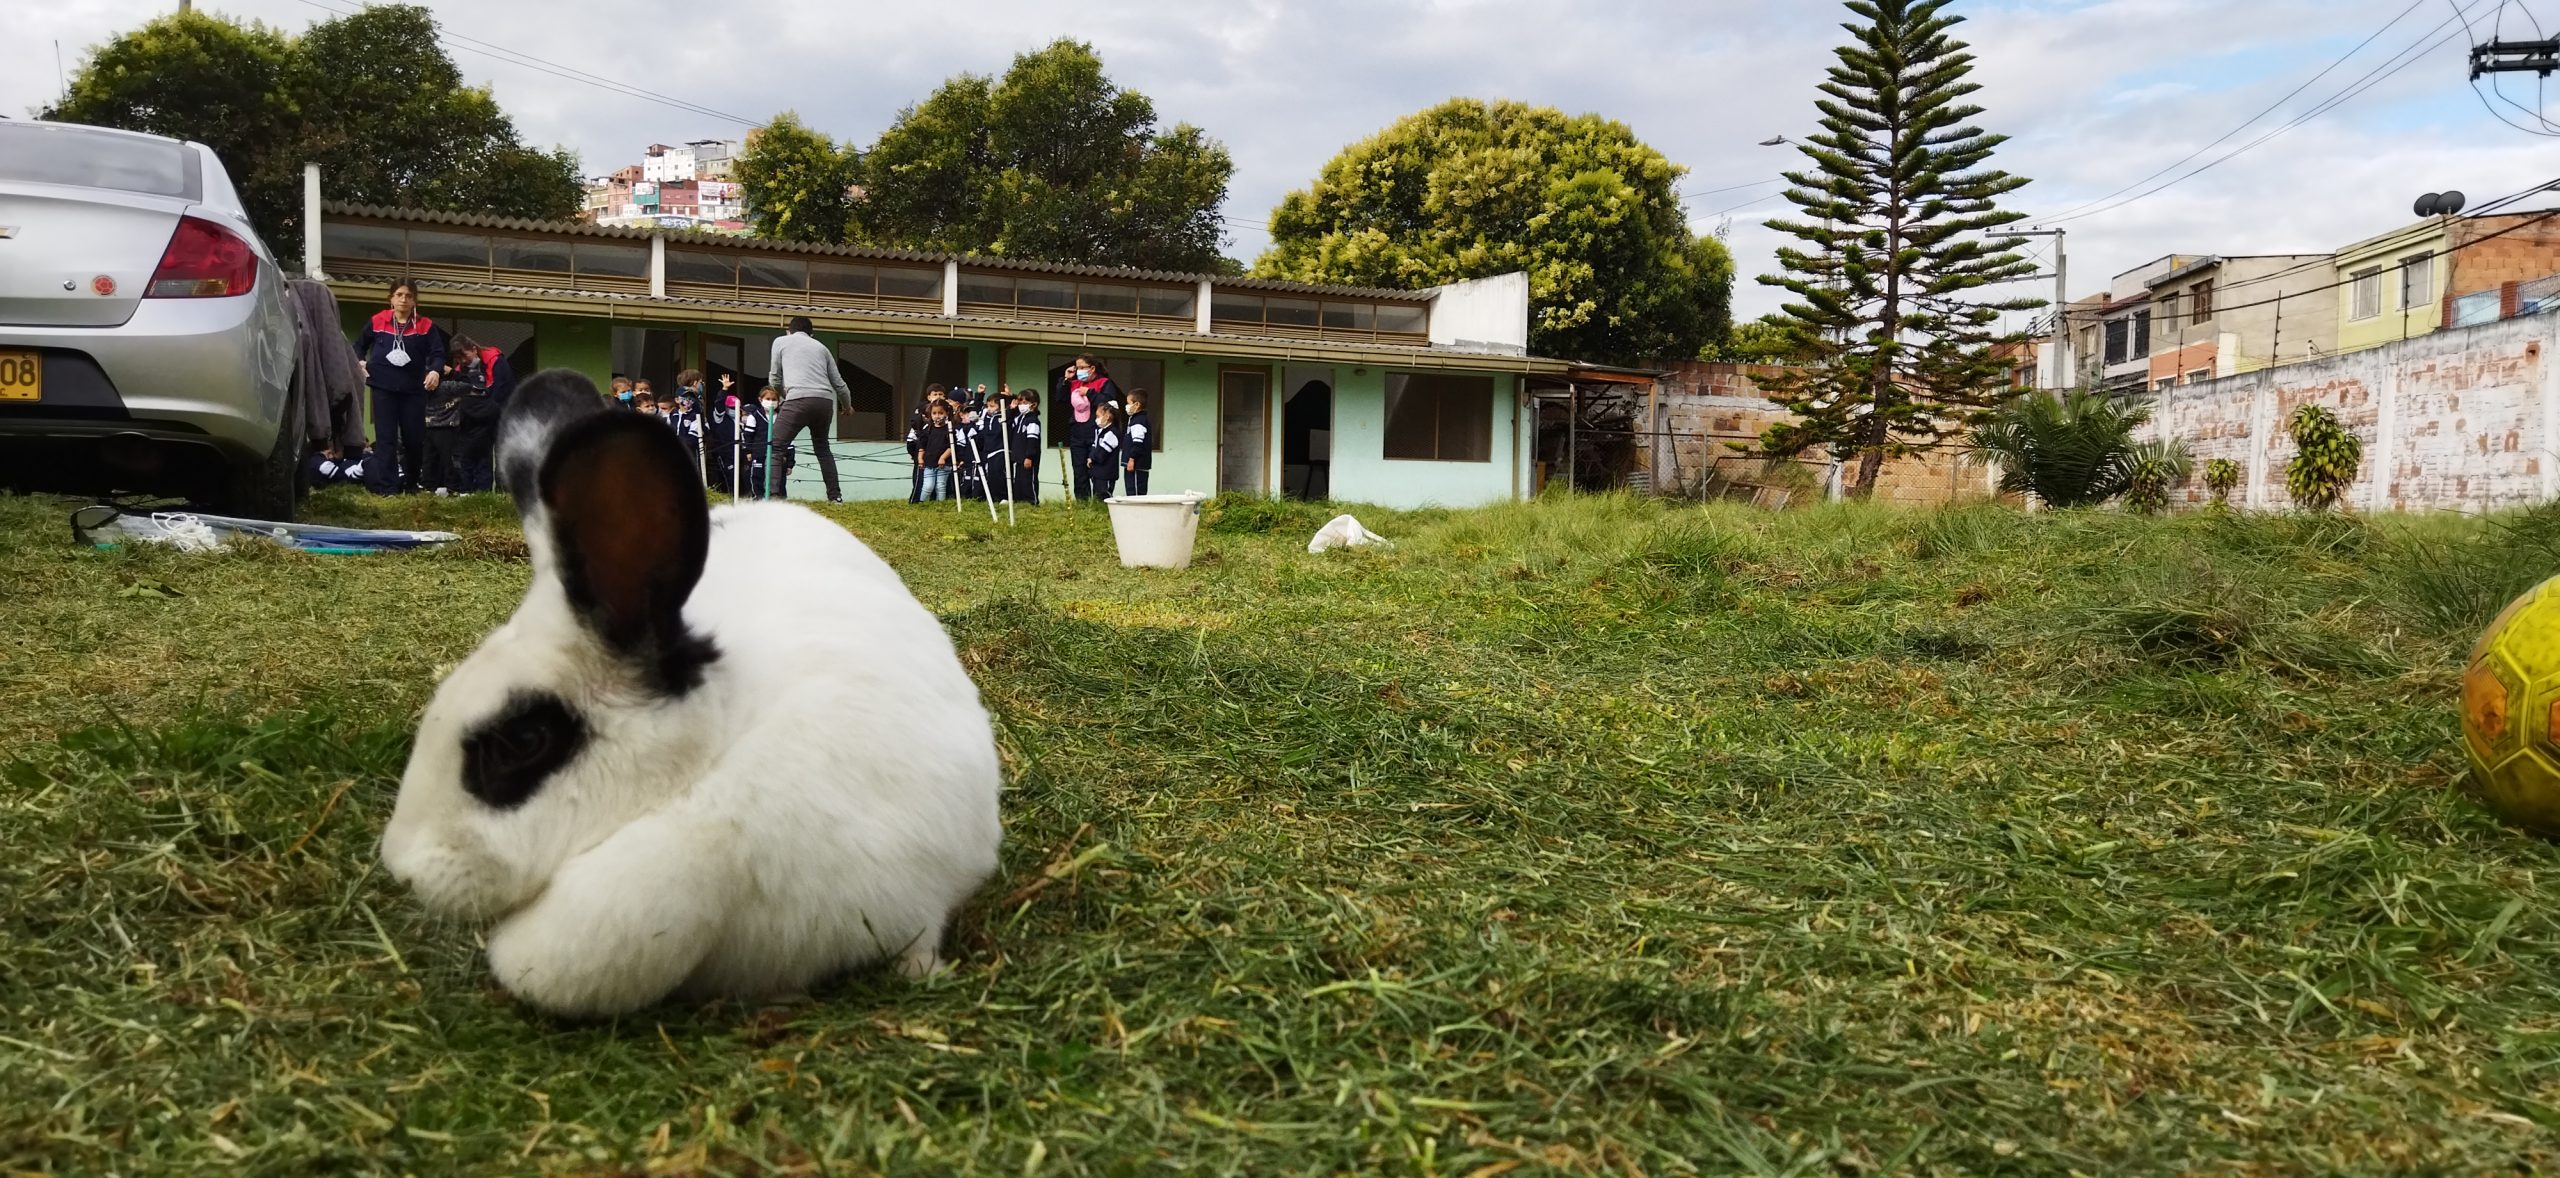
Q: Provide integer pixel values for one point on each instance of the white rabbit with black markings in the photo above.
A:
(712, 753)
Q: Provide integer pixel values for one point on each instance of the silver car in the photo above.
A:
(146, 341)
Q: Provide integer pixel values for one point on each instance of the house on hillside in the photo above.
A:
(1397, 397)
(2219, 315)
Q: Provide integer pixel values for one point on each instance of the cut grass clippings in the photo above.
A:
(1593, 835)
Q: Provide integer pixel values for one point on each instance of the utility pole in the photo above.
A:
(2516, 57)
(2061, 305)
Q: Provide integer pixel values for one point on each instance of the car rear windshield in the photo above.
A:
(57, 155)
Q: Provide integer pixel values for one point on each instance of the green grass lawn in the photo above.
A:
(1598, 836)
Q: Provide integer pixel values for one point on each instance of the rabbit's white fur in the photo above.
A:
(824, 799)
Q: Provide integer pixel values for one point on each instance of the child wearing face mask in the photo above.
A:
(1102, 469)
(1138, 458)
(1025, 428)
(755, 436)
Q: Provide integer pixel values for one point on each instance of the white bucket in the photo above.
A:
(1156, 531)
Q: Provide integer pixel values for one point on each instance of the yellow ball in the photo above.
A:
(2511, 711)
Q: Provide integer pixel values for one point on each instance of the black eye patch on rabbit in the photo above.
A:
(508, 756)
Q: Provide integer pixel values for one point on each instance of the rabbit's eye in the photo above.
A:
(507, 758)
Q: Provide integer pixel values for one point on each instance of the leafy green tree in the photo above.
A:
(2324, 461)
(1470, 189)
(798, 183)
(233, 87)
(1895, 343)
(401, 128)
(370, 97)
(2077, 450)
(1760, 341)
(1050, 161)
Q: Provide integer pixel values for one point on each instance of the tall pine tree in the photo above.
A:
(1892, 339)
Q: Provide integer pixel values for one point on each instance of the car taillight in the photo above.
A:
(203, 261)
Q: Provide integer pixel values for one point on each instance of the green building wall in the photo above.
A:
(1185, 413)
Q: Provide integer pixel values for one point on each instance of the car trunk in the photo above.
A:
(57, 243)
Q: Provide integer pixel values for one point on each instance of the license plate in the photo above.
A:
(21, 376)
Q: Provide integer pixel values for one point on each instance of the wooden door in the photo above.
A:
(1244, 431)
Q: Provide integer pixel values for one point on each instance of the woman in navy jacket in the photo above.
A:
(402, 356)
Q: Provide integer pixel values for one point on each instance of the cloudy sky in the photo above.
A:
(2096, 95)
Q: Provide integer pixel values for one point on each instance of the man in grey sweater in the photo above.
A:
(804, 371)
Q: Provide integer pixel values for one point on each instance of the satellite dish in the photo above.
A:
(2426, 206)
(2449, 203)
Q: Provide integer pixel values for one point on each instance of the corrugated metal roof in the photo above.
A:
(1254, 343)
(874, 253)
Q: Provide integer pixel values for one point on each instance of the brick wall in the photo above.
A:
(2522, 255)
(1705, 408)
(2462, 418)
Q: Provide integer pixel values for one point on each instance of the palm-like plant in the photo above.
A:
(2078, 450)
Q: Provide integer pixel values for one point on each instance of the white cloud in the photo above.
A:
(2094, 94)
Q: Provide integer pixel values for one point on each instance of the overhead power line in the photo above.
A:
(2244, 124)
(2374, 77)
(565, 72)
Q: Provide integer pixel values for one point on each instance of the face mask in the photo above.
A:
(397, 357)
(625, 398)
(768, 406)
(1084, 374)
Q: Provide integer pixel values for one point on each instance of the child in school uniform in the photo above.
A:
(966, 470)
(1025, 427)
(755, 436)
(1139, 457)
(915, 427)
(933, 452)
(1102, 464)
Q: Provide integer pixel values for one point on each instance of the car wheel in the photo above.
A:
(266, 489)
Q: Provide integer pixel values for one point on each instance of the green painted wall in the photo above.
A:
(1363, 474)
(1186, 414)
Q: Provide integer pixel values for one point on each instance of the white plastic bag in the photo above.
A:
(1342, 531)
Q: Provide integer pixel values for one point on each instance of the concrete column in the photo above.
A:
(657, 266)
(1200, 312)
(311, 221)
(2385, 424)
(2550, 456)
(951, 289)
(2261, 413)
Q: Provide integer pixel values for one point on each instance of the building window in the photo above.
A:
(2119, 332)
(1241, 310)
(1437, 418)
(2142, 333)
(2203, 296)
(888, 381)
(779, 274)
(2199, 375)
(2164, 384)
(837, 278)
(430, 248)
(1168, 302)
(902, 282)
(1403, 319)
(597, 259)
(702, 268)
(2365, 296)
(2169, 309)
(2417, 281)
(526, 253)
(362, 243)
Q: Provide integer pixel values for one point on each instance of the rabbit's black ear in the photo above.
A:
(540, 407)
(630, 528)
